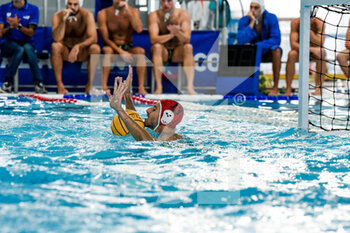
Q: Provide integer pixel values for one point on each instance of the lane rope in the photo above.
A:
(136, 99)
(47, 99)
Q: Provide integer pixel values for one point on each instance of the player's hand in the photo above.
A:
(120, 87)
(127, 57)
(73, 55)
(13, 21)
(173, 29)
(124, 4)
(66, 14)
(129, 81)
(251, 16)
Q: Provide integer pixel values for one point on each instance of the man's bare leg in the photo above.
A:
(106, 66)
(276, 68)
(157, 53)
(92, 66)
(293, 57)
(321, 70)
(141, 69)
(141, 73)
(189, 67)
(343, 59)
(57, 64)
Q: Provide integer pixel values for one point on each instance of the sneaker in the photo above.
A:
(39, 88)
(6, 87)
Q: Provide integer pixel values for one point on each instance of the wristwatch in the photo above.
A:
(19, 26)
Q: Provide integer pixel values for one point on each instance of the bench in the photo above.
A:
(205, 46)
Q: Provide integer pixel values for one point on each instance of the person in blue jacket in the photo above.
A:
(18, 21)
(261, 28)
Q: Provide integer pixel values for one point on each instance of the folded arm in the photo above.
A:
(154, 30)
(245, 34)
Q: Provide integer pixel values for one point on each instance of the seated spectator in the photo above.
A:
(261, 27)
(75, 39)
(18, 21)
(116, 24)
(343, 57)
(170, 34)
(316, 42)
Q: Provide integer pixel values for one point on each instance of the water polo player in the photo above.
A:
(162, 117)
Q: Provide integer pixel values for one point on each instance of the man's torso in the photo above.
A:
(258, 28)
(174, 19)
(314, 26)
(76, 30)
(119, 26)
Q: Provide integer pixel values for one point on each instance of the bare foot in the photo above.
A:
(317, 91)
(273, 92)
(62, 90)
(288, 92)
(107, 91)
(191, 92)
(157, 92)
(142, 91)
(87, 90)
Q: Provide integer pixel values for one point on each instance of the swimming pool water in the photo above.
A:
(237, 170)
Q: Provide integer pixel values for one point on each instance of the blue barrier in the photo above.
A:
(100, 4)
(231, 79)
(260, 97)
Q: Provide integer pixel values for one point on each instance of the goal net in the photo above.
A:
(324, 97)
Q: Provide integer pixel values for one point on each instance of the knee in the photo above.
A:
(341, 57)
(28, 47)
(19, 50)
(56, 47)
(276, 53)
(29, 51)
(157, 48)
(293, 56)
(94, 49)
(107, 50)
(188, 48)
(139, 50)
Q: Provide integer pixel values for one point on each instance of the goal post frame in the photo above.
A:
(304, 56)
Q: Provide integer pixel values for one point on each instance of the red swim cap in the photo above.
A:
(170, 113)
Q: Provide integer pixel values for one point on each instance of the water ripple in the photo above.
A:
(61, 169)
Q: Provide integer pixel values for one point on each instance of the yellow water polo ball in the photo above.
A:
(118, 127)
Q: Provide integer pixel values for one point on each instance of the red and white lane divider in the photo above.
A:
(136, 99)
(47, 99)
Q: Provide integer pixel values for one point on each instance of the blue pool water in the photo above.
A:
(238, 170)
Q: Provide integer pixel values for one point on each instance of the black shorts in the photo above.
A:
(125, 46)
